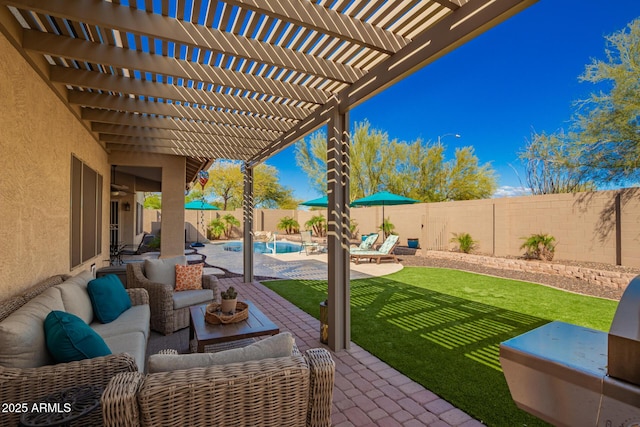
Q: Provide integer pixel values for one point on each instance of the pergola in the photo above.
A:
(239, 79)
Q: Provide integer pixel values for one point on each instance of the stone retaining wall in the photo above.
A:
(609, 279)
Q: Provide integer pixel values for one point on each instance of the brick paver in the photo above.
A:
(367, 392)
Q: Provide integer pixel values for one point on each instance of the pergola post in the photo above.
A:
(338, 235)
(247, 214)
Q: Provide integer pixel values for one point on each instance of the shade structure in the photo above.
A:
(383, 198)
(320, 202)
(200, 205)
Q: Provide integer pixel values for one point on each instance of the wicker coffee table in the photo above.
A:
(205, 334)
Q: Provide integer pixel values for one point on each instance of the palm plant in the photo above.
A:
(539, 246)
(288, 225)
(353, 228)
(216, 228)
(465, 242)
(387, 227)
(230, 222)
(318, 224)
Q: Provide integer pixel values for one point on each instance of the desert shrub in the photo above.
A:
(465, 242)
(539, 246)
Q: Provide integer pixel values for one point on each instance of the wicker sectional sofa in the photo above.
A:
(294, 390)
(27, 370)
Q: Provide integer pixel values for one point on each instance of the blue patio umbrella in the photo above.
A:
(200, 205)
(383, 198)
(320, 202)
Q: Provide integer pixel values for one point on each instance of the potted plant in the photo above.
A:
(229, 300)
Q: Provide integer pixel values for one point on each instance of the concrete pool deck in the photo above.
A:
(289, 265)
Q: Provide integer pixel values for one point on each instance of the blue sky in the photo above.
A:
(518, 76)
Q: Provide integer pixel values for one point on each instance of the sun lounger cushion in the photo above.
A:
(280, 345)
(368, 242)
(163, 270)
(69, 338)
(388, 244)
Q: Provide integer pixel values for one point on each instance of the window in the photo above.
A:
(86, 212)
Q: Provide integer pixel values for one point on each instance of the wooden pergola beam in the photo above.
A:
(97, 53)
(141, 23)
(133, 105)
(326, 21)
(191, 95)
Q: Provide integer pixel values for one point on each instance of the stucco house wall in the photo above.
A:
(38, 134)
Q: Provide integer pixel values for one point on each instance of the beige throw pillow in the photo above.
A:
(280, 345)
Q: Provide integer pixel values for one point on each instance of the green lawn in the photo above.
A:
(443, 328)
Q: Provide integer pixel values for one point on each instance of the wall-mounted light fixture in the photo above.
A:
(126, 206)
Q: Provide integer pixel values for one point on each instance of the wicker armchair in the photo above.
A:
(285, 391)
(164, 318)
(26, 385)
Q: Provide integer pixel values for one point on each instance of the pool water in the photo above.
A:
(261, 247)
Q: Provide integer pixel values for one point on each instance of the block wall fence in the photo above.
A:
(601, 226)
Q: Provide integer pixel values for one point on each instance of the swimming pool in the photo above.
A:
(263, 248)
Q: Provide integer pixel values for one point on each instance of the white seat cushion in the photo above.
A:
(188, 298)
(280, 345)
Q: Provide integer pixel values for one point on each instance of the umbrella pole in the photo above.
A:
(198, 231)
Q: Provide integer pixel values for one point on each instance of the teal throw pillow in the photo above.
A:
(108, 297)
(69, 338)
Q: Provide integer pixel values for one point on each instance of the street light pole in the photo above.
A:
(457, 135)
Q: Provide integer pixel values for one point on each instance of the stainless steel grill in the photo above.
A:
(569, 375)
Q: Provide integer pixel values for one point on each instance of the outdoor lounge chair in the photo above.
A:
(385, 251)
(307, 243)
(367, 243)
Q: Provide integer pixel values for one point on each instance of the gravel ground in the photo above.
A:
(560, 282)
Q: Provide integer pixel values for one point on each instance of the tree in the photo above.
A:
(152, 201)
(413, 169)
(551, 164)
(268, 192)
(372, 154)
(608, 127)
(227, 183)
